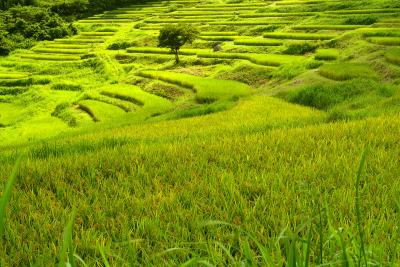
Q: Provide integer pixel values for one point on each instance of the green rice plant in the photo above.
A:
(251, 74)
(59, 51)
(66, 256)
(391, 41)
(13, 90)
(126, 106)
(68, 46)
(327, 27)
(361, 20)
(158, 50)
(6, 195)
(101, 21)
(248, 23)
(300, 48)
(50, 57)
(216, 9)
(101, 34)
(219, 33)
(180, 21)
(105, 29)
(371, 32)
(198, 13)
(237, 4)
(327, 95)
(207, 90)
(302, 2)
(258, 42)
(149, 103)
(79, 41)
(261, 59)
(86, 37)
(390, 20)
(299, 36)
(278, 14)
(393, 56)
(101, 111)
(13, 75)
(362, 254)
(364, 11)
(62, 111)
(67, 86)
(326, 54)
(219, 38)
(25, 81)
(346, 71)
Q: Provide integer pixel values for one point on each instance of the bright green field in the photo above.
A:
(249, 156)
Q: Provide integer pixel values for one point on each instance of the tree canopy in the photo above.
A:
(174, 36)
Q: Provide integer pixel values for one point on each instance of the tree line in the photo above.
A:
(23, 22)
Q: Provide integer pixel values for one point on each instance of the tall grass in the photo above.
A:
(6, 195)
(67, 252)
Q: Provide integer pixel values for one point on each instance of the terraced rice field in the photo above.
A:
(243, 154)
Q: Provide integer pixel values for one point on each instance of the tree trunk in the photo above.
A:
(176, 56)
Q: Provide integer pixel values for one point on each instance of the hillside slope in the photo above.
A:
(249, 156)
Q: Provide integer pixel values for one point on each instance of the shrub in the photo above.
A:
(120, 45)
(300, 49)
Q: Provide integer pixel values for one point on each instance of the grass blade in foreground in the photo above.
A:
(7, 195)
(358, 209)
(66, 249)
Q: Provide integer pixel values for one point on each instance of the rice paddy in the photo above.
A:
(273, 142)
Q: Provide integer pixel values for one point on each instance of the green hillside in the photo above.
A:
(248, 152)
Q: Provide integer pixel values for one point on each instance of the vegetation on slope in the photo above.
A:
(245, 153)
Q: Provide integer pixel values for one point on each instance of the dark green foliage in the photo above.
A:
(6, 4)
(300, 49)
(120, 45)
(72, 9)
(5, 44)
(325, 96)
(22, 26)
(175, 36)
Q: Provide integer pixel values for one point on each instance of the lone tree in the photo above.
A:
(176, 35)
